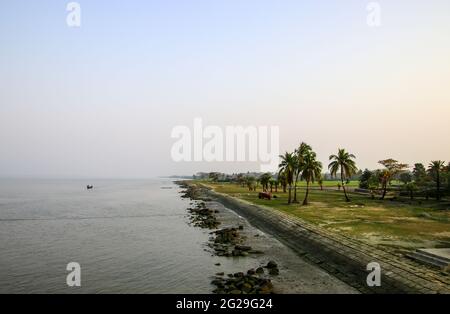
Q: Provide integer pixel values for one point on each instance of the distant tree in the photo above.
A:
(276, 184)
(406, 177)
(287, 166)
(264, 179)
(320, 181)
(435, 169)
(374, 182)
(312, 169)
(411, 187)
(344, 163)
(447, 176)
(392, 168)
(300, 154)
(240, 178)
(214, 176)
(251, 183)
(272, 184)
(364, 179)
(282, 180)
(419, 172)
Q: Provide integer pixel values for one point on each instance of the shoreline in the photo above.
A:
(291, 274)
(296, 276)
(343, 258)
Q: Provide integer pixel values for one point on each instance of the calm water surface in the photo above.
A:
(128, 236)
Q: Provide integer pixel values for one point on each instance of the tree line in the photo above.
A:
(302, 165)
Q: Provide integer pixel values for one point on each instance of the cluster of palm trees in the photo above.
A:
(302, 164)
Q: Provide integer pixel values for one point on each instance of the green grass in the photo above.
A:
(333, 184)
(398, 224)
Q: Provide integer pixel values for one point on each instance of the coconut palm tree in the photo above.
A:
(435, 168)
(282, 180)
(264, 179)
(320, 182)
(251, 183)
(344, 163)
(272, 184)
(287, 166)
(312, 170)
(300, 154)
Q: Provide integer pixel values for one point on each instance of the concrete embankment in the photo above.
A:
(343, 257)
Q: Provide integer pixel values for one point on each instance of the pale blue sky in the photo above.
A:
(101, 100)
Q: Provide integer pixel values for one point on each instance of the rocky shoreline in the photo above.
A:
(228, 243)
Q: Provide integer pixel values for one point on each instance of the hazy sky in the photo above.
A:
(101, 100)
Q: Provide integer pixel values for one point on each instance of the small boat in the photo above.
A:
(89, 187)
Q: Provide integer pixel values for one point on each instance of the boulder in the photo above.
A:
(243, 247)
(274, 271)
(246, 287)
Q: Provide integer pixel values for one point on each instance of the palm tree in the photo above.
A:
(312, 170)
(287, 166)
(320, 182)
(272, 183)
(264, 179)
(251, 183)
(300, 154)
(435, 168)
(282, 180)
(344, 163)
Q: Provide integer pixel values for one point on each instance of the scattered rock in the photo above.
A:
(203, 217)
(246, 287)
(272, 264)
(255, 252)
(243, 247)
(239, 283)
(274, 272)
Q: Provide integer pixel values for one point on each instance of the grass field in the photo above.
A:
(395, 224)
(333, 184)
